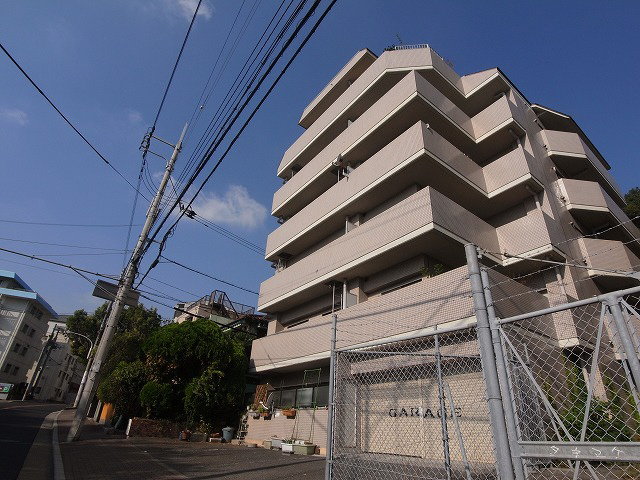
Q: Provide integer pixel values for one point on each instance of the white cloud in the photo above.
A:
(234, 208)
(185, 8)
(134, 116)
(14, 115)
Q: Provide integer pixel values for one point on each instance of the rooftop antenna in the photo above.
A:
(399, 39)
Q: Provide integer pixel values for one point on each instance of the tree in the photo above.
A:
(205, 365)
(632, 209)
(135, 325)
(122, 388)
(191, 370)
(85, 324)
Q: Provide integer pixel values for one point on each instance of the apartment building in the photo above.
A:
(401, 163)
(24, 317)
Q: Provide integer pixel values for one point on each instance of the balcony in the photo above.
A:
(444, 300)
(358, 64)
(419, 305)
(411, 100)
(576, 160)
(340, 100)
(610, 262)
(532, 235)
(419, 155)
(425, 222)
(595, 210)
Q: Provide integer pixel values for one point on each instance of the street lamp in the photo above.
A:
(86, 368)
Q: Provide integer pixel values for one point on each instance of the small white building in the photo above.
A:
(62, 371)
(24, 317)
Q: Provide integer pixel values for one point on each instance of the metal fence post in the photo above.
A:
(503, 378)
(494, 399)
(627, 344)
(328, 470)
(443, 411)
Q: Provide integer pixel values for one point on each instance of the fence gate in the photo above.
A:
(413, 409)
(573, 390)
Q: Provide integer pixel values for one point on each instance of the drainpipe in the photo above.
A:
(535, 197)
(344, 294)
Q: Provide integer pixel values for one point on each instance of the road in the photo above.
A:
(19, 424)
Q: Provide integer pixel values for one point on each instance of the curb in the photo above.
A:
(58, 466)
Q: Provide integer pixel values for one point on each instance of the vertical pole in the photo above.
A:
(625, 339)
(332, 378)
(118, 304)
(38, 366)
(90, 357)
(503, 379)
(485, 344)
(443, 411)
(84, 379)
(44, 356)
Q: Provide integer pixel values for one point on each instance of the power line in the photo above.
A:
(226, 233)
(205, 275)
(66, 119)
(39, 268)
(75, 269)
(92, 225)
(153, 129)
(231, 93)
(214, 147)
(75, 254)
(199, 106)
(173, 286)
(60, 244)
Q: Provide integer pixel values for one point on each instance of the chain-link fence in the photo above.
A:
(574, 397)
(551, 394)
(389, 404)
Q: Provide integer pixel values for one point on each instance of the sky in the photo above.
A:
(105, 65)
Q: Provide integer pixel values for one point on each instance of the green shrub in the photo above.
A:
(159, 400)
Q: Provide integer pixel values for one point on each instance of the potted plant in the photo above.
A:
(252, 411)
(264, 413)
(288, 412)
(287, 445)
(304, 448)
(276, 442)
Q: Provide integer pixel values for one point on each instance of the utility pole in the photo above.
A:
(118, 303)
(90, 356)
(42, 362)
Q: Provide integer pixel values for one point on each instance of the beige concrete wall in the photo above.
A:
(570, 144)
(416, 431)
(418, 211)
(308, 425)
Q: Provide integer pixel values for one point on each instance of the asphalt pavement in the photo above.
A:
(28, 452)
(20, 424)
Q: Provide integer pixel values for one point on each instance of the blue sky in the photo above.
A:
(106, 64)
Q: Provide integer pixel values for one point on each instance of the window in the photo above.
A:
(15, 370)
(24, 351)
(25, 328)
(304, 397)
(31, 332)
(297, 323)
(288, 398)
(16, 347)
(322, 396)
(7, 367)
(301, 397)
